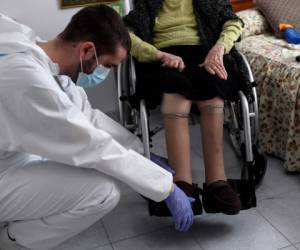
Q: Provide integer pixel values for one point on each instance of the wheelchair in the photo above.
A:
(240, 121)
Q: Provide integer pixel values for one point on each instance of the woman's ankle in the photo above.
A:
(183, 179)
(209, 181)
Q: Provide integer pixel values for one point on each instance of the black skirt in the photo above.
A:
(193, 82)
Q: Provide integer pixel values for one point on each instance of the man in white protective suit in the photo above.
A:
(58, 156)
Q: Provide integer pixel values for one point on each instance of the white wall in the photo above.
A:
(47, 19)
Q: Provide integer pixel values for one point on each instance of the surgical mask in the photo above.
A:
(90, 80)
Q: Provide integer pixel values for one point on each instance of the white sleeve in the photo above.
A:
(104, 122)
(45, 122)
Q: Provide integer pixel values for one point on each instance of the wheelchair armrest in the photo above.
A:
(251, 78)
(249, 89)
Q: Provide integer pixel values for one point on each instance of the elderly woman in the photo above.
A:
(184, 50)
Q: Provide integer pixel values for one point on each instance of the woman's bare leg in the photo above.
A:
(211, 121)
(175, 110)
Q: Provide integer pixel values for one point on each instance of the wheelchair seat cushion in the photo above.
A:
(193, 82)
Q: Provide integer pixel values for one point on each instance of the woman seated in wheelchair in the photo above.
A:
(184, 50)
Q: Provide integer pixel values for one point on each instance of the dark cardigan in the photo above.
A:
(210, 16)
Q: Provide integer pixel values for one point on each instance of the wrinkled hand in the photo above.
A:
(214, 62)
(161, 161)
(180, 207)
(170, 61)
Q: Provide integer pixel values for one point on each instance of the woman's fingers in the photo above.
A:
(222, 66)
(181, 65)
(215, 67)
(210, 70)
(221, 72)
(214, 62)
(173, 62)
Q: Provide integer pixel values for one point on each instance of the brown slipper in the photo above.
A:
(219, 197)
(192, 190)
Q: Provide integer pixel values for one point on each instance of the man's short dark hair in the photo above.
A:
(99, 24)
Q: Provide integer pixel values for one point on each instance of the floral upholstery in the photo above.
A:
(277, 74)
(255, 23)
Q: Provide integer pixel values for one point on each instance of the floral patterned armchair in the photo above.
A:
(278, 78)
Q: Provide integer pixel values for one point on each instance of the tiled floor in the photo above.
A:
(274, 224)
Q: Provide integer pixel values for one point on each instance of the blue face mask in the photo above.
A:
(90, 80)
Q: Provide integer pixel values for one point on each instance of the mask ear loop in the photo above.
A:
(81, 65)
(96, 55)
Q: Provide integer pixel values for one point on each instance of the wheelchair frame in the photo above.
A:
(241, 123)
(241, 119)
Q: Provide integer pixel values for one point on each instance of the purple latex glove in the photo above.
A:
(180, 207)
(161, 161)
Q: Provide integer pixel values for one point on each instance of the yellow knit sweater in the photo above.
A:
(176, 25)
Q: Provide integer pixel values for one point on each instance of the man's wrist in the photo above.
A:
(170, 197)
(172, 189)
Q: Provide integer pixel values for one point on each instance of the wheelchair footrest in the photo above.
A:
(259, 167)
(228, 197)
(245, 191)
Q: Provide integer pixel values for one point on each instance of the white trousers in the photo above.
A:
(47, 203)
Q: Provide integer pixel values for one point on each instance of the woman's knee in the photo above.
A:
(175, 104)
(216, 101)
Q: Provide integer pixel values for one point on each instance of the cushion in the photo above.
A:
(255, 23)
(280, 11)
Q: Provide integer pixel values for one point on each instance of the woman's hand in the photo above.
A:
(170, 61)
(214, 62)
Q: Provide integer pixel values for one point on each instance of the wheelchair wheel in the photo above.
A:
(242, 126)
(259, 166)
(233, 126)
(241, 121)
(123, 93)
(144, 128)
(127, 114)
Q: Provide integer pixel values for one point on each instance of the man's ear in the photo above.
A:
(87, 50)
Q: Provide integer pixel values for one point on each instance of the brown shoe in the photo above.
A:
(192, 191)
(160, 208)
(219, 197)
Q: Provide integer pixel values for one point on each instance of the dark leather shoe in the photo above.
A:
(219, 197)
(160, 209)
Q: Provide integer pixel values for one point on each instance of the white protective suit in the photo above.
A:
(58, 156)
